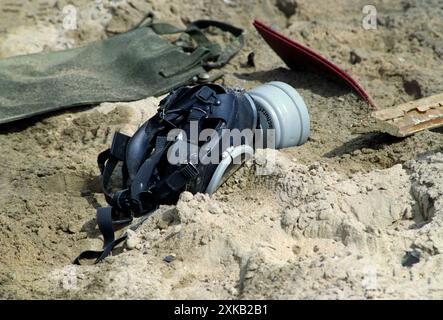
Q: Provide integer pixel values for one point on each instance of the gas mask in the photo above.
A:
(199, 136)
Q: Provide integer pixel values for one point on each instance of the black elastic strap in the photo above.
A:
(222, 56)
(108, 160)
(119, 144)
(105, 177)
(142, 180)
(106, 226)
(141, 144)
(217, 57)
(102, 158)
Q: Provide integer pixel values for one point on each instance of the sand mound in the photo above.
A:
(300, 232)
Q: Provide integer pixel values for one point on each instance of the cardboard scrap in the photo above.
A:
(411, 117)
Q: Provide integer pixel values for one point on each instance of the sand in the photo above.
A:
(351, 214)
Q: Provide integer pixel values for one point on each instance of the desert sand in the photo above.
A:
(351, 214)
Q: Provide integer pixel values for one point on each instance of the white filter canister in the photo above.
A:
(280, 107)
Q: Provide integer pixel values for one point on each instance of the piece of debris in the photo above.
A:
(170, 258)
(203, 77)
(411, 117)
(251, 62)
(410, 258)
(214, 208)
(357, 56)
(133, 240)
(288, 7)
(413, 88)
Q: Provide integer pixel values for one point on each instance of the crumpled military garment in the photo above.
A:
(126, 67)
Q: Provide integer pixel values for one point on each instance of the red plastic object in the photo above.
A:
(295, 54)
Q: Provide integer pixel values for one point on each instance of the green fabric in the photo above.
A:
(125, 67)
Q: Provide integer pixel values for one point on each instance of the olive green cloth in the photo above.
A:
(125, 67)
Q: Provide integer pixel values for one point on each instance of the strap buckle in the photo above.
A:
(162, 115)
(206, 95)
(190, 171)
(121, 199)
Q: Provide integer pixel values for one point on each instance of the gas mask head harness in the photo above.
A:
(167, 155)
